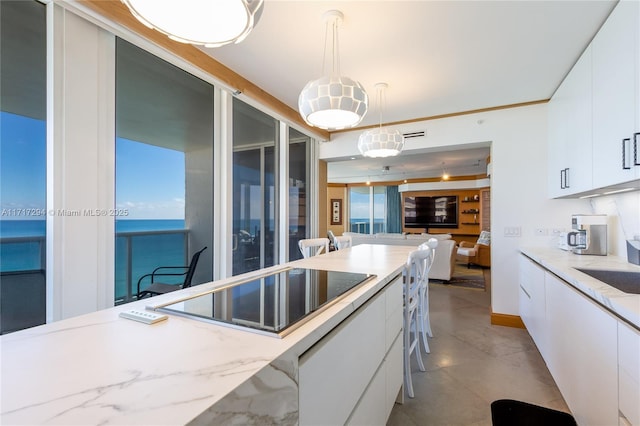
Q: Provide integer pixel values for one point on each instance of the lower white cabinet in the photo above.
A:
(532, 302)
(354, 374)
(582, 353)
(628, 374)
(377, 402)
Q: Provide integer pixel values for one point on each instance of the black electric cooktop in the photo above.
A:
(274, 304)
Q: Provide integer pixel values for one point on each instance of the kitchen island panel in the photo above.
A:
(102, 369)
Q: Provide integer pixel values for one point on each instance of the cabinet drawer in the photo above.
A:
(384, 387)
(393, 312)
(395, 373)
(629, 373)
(334, 374)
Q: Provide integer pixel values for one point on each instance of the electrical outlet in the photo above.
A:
(512, 231)
(541, 232)
(556, 231)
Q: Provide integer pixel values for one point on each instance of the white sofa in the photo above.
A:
(444, 261)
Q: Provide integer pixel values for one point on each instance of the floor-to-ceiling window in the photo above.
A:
(254, 188)
(164, 169)
(255, 202)
(22, 164)
(379, 209)
(299, 144)
(368, 209)
(359, 209)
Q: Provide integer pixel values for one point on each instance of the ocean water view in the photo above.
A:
(37, 228)
(362, 225)
(23, 248)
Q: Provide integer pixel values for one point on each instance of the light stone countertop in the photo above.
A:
(562, 264)
(102, 369)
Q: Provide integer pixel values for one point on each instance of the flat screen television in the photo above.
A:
(431, 212)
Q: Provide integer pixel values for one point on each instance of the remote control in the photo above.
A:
(143, 316)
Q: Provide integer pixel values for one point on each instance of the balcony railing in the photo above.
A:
(23, 265)
(139, 253)
(23, 289)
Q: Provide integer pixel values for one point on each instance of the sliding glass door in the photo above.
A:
(253, 209)
(164, 170)
(22, 165)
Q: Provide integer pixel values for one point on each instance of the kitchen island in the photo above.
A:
(100, 368)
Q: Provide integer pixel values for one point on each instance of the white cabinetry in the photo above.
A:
(354, 374)
(570, 151)
(594, 116)
(615, 96)
(582, 353)
(532, 302)
(629, 374)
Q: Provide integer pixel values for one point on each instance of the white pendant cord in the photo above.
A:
(335, 56)
(381, 100)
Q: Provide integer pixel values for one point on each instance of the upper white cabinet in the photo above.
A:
(594, 116)
(616, 98)
(570, 150)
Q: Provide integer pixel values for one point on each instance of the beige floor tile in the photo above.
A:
(471, 364)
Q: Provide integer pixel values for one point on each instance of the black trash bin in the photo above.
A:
(508, 412)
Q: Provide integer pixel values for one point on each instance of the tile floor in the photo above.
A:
(471, 364)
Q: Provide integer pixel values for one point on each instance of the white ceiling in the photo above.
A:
(438, 57)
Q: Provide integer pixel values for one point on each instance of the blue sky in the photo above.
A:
(22, 162)
(150, 181)
(359, 204)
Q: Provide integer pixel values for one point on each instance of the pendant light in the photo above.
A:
(202, 22)
(333, 102)
(380, 142)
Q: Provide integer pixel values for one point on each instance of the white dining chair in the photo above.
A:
(424, 322)
(313, 246)
(413, 271)
(342, 242)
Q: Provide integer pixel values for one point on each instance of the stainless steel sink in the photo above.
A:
(625, 281)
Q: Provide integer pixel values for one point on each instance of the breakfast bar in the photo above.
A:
(100, 368)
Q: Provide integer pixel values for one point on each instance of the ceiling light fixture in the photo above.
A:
(445, 175)
(333, 102)
(202, 22)
(380, 142)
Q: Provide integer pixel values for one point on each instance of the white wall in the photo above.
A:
(623, 211)
(519, 198)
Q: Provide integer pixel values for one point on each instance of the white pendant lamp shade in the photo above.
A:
(333, 102)
(210, 23)
(380, 142)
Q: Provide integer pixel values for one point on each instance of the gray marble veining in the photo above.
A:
(103, 369)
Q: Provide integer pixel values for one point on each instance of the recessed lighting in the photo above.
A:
(619, 190)
(590, 196)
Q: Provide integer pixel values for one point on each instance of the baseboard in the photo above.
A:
(507, 320)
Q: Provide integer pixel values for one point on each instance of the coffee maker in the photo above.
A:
(589, 234)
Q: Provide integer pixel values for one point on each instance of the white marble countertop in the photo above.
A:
(102, 369)
(562, 264)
